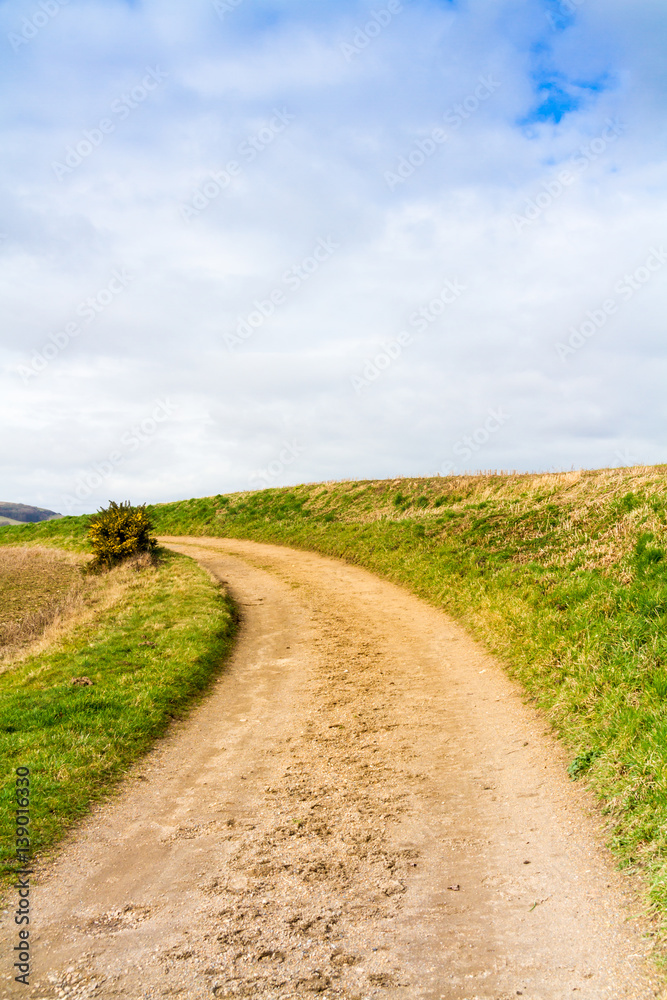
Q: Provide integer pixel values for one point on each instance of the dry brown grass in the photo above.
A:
(37, 586)
(89, 597)
(582, 499)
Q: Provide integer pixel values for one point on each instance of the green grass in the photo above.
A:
(564, 577)
(160, 635)
(65, 532)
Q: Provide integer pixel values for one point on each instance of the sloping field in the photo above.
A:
(36, 583)
(563, 576)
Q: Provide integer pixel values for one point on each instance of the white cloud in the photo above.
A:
(323, 177)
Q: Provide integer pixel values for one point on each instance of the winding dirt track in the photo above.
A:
(362, 807)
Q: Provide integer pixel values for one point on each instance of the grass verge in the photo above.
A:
(160, 635)
(564, 577)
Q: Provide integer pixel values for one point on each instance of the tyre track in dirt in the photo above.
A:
(363, 806)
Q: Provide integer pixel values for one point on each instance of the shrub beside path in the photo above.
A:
(362, 807)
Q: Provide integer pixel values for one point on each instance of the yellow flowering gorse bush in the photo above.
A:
(120, 532)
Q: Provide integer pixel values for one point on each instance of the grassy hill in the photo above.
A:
(563, 576)
(65, 532)
(21, 513)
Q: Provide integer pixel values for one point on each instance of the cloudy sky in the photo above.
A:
(261, 242)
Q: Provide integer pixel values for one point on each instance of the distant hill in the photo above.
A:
(23, 513)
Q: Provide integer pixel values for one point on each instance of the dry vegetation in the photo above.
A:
(594, 516)
(38, 585)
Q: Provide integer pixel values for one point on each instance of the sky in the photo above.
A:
(252, 243)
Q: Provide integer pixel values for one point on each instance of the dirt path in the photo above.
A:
(362, 807)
